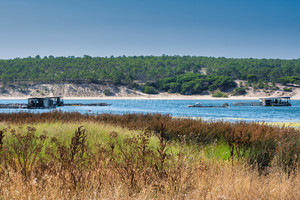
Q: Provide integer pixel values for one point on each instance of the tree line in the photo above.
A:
(184, 74)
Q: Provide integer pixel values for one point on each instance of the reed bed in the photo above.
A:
(72, 156)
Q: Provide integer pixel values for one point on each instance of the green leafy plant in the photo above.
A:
(219, 94)
(239, 91)
(149, 90)
(107, 92)
(287, 89)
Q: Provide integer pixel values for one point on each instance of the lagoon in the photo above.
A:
(178, 108)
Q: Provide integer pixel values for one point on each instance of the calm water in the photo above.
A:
(178, 108)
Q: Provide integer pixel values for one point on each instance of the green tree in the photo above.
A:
(149, 90)
(252, 77)
(239, 91)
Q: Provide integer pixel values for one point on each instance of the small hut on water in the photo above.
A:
(46, 102)
(275, 101)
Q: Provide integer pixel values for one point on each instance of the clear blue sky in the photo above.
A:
(219, 28)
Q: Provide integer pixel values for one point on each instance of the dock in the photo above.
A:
(46, 103)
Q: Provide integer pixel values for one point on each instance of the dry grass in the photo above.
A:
(214, 180)
(70, 156)
(260, 143)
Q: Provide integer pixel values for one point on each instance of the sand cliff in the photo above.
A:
(109, 91)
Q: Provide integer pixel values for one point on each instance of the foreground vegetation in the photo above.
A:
(68, 155)
(150, 74)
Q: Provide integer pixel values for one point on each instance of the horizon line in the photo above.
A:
(128, 56)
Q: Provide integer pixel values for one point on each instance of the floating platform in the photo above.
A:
(46, 103)
(87, 104)
(14, 106)
(192, 106)
(247, 104)
(199, 105)
(25, 106)
(267, 101)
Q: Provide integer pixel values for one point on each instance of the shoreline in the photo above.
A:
(151, 97)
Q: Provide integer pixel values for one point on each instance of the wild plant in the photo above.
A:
(260, 143)
(162, 149)
(71, 158)
(1, 147)
(1, 139)
(152, 164)
(136, 162)
(287, 152)
(23, 151)
(238, 140)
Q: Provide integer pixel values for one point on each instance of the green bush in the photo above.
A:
(218, 93)
(260, 84)
(149, 90)
(107, 92)
(239, 91)
(289, 79)
(248, 84)
(252, 78)
(287, 89)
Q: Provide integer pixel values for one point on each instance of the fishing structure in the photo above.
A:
(267, 101)
(199, 105)
(47, 103)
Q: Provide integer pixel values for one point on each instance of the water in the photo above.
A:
(178, 108)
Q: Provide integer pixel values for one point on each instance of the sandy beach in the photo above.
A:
(97, 92)
(161, 96)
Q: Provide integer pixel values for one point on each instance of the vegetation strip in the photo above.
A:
(69, 155)
(150, 74)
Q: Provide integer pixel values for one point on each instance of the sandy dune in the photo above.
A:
(97, 91)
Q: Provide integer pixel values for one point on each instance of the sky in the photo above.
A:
(217, 28)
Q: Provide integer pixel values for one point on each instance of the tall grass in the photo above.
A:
(97, 161)
(261, 144)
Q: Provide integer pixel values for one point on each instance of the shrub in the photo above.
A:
(107, 92)
(218, 93)
(149, 90)
(252, 78)
(248, 84)
(289, 79)
(239, 91)
(287, 89)
(260, 84)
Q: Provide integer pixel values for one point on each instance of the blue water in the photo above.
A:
(178, 108)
